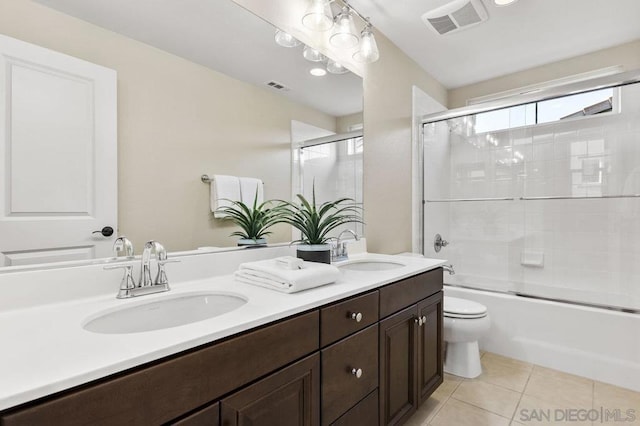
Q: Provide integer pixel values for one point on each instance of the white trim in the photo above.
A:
(602, 72)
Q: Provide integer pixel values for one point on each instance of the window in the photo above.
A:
(564, 108)
(355, 146)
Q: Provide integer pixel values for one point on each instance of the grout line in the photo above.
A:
(480, 408)
(513, 417)
(435, 413)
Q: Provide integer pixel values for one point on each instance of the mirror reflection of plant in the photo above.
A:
(316, 222)
(254, 221)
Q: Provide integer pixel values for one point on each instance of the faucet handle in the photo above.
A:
(161, 276)
(123, 244)
(128, 283)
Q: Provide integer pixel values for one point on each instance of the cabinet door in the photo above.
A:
(208, 416)
(430, 349)
(398, 367)
(290, 397)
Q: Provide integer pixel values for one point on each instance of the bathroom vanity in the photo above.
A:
(369, 352)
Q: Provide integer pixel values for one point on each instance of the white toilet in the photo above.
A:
(465, 322)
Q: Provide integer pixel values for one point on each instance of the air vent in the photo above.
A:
(278, 86)
(455, 16)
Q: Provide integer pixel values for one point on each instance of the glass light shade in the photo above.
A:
(311, 54)
(318, 72)
(344, 34)
(318, 16)
(368, 51)
(285, 39)
(503, 2)
(335, 68)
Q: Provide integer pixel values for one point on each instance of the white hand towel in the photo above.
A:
(223, 189)
(269, 273)
(248, 188)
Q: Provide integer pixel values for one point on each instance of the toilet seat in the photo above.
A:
(463, 309)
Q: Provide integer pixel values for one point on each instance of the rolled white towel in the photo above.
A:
(271, 274)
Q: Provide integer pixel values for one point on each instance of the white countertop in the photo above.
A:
(46, 350)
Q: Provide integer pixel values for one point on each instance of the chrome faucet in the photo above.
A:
(145, 269)
(449, 269)
(123, 244)
(145, 285)
(339, 251)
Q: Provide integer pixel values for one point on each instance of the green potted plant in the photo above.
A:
(254, 221)
(316, 222)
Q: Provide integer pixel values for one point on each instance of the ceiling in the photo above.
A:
(525, 34)
(223, 36)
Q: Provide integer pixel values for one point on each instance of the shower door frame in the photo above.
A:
(530, 96)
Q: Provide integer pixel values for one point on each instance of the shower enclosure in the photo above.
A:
(332, 166)
(539, 194)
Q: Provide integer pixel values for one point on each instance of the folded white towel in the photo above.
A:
(223, 189)
(248, 188)
(289, 262)
(271, 274)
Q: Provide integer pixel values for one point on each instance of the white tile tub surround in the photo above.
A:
(595, 343)
(590, 248)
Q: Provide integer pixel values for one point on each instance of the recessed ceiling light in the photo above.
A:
(318, 72)
(504, 2)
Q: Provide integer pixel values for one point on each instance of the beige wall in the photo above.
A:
(388, 91)
(176, 121)
(627, 55)
(343, 123)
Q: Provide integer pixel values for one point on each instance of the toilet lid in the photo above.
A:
(461, 308)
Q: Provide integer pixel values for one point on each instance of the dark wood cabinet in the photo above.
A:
(365, 413)
(207, 416)
(296, 371)
(398, 367)
(430, 346)
(411, 357)
(349, 372)
(290, 397)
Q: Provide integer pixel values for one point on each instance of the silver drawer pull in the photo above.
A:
(356, 316)
(357, 372)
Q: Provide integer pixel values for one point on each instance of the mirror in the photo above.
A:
(194, 97)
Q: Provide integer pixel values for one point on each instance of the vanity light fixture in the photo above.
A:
(368, 50)
(285, 39)
(335, 68)
(312, 55)
(318, 72)
(504, 2)
(318, 16)
(344, 35)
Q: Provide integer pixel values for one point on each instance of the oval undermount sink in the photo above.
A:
(170, 311)
(371, 265)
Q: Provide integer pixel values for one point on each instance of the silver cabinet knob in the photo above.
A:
(356, 316)
(418, 321)
(357, 372)
(424, 320)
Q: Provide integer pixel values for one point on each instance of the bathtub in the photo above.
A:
(600, 344)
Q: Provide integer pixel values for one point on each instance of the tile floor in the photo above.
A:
(516, 393)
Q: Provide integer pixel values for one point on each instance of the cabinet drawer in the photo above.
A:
(208, 416)
(363, 414)
(341, 388)
(401, 294)
(340, 320)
